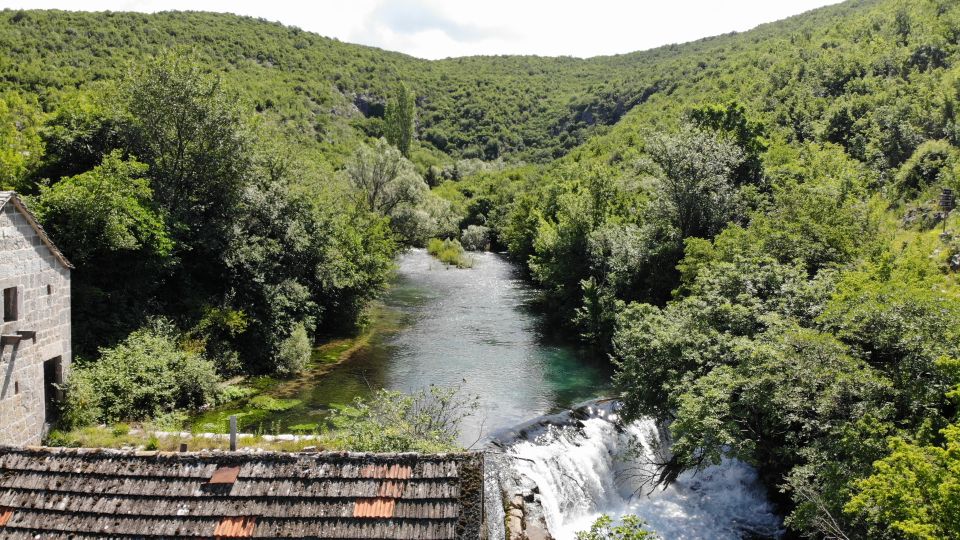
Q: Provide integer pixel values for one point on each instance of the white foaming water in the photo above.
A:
(584, 473)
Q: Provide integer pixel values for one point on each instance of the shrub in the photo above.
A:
(294, 352)
(153, 443)
(925, 167)
(82, 404)
(428, 420)
(630, 528)
(449, 252)
(475, 238)
(146, 375)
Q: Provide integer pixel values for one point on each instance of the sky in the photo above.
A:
(438, 29)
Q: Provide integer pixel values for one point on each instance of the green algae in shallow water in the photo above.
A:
(331, 353)
(272, 404)
(265, 404)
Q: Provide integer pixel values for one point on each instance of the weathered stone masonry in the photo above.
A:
(35, 353)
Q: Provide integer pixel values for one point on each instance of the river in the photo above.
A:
(475, 328)
(447, 326)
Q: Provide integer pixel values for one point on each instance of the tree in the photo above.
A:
(915, 491)
(630, 527)
(194, 136)
(399, 118)
(103, 211)
(693, 191)
(21, 148)
(931, 163)
(106, 222)
(81, 131)
(732, 123)
(384, 179)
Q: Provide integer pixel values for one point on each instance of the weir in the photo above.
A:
(572, 467)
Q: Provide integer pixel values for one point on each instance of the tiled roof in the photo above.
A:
(85, 493)
(13, 198)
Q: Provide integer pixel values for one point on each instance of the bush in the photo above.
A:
(630, 528)
(475, 238)
(294, 352)
(148, 374)
(449, 252)
(425, 421)
(927, 166)
(82, 404)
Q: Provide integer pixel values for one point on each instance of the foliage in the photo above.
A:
(929, 165)
(724, 216)
(629, 527)
(21, 147)
(475, 238)
(449, 252)
(107, 224)
(428, 420)
(144, 376)
(398, 119)
(294, 352)
(915, 491)
(177, 203)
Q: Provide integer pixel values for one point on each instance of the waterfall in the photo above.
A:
(585, 465)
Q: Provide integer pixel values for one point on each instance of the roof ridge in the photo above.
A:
(116, 452)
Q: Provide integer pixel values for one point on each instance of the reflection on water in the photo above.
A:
(468, 327)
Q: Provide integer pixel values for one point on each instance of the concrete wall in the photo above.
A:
(43, 299)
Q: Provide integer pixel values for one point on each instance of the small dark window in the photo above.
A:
(16, 388)
(10, 304)
(49, 289)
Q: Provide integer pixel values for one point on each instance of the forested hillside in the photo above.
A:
(749, 225)
(318, 89)
(761, 251)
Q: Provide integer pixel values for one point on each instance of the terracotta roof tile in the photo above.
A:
(383, 470)
(235, 527)
(225, 475)
(379, 507)
(391, 488)
(5, 515)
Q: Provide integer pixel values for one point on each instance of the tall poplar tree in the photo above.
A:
(399, 119)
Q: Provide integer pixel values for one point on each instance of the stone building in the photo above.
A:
(35, 324)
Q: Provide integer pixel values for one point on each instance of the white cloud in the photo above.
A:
(438, 28)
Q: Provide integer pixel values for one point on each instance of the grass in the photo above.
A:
(142, 439)
(449, 252)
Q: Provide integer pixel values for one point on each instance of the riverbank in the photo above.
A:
(252, 399)
(474, 329)
(261, 401)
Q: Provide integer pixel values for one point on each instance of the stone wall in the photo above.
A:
(43, 298)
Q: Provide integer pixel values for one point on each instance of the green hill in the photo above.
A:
(532, 107)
